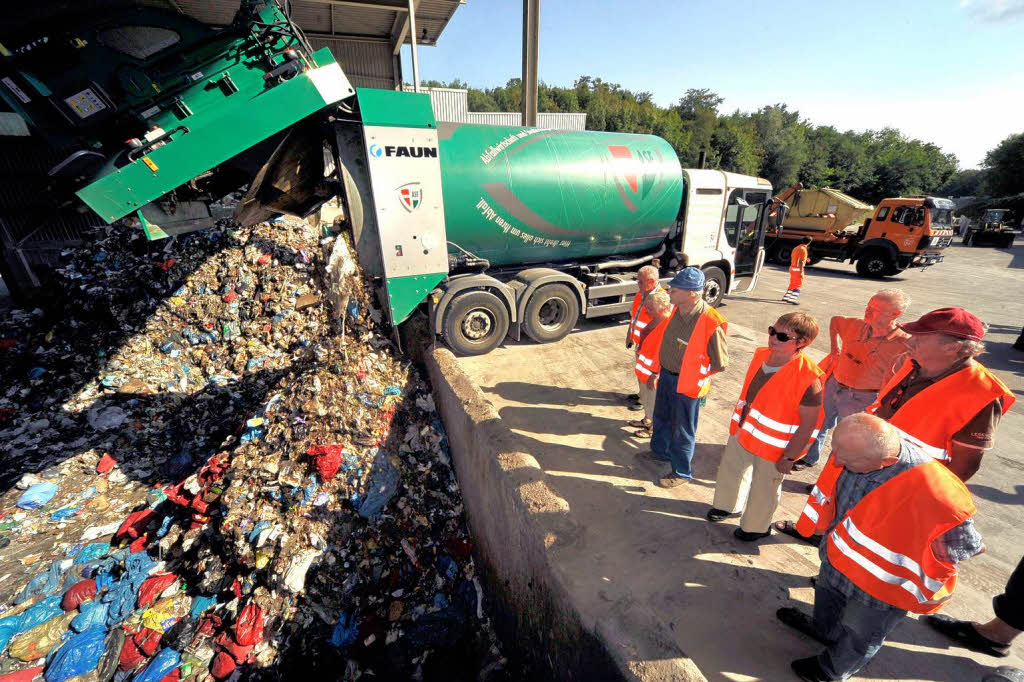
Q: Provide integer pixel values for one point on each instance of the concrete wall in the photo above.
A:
(519, 525)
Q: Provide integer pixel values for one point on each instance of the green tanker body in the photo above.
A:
(529, 195)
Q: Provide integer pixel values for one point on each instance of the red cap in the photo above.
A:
(951, 321)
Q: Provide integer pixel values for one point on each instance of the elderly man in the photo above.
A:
(692, 349)
(639, 318)
(863, 351)
(897, 527)
(941, 398)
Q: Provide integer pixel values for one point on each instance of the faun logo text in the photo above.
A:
(378, 151)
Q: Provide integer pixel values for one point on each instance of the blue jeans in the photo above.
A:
(856, 630)
(675, 425)
(840, 402)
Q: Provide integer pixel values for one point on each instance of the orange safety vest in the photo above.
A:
(884, 544)
(774, 415)
(695, 370)
(932, 417)
(808, 523)
(639, 321)
(647, 362)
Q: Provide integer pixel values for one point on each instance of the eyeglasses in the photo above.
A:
(782, 336)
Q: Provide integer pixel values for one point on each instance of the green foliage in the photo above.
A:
(1004, 167)
(964, 183)
(772, 142)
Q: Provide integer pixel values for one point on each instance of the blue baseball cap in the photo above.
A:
(690, 279)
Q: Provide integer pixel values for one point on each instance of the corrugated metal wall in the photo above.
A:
(368, 64)
(514, 118)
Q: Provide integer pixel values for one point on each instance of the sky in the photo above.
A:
(949, 72)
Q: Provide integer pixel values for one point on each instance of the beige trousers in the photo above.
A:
(749, 483)
(647, 399)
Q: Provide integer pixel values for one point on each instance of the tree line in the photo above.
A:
(773, 142)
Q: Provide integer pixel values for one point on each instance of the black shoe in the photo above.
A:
(716, 515)
(635, 407)
(963, 632)
(810, 487)
(809, 670)
(1019, 343)
(801, 622)
(751, 537)
(630, 397)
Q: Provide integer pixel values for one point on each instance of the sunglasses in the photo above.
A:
(782, 336)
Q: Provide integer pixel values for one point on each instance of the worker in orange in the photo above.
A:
(659, 310)
(797, 263)
(639, 318)
(940, 398)
(863, 351)
(775, 421)
(882, 557)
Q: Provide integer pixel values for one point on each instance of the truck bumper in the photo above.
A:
(923, 260)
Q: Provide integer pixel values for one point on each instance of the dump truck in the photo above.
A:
(901, 233)
(488, 230)
(991, 229)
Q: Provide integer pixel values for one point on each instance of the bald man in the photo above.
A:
(877, 562)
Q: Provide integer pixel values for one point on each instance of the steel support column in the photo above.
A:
(412, 40)
(531, 39)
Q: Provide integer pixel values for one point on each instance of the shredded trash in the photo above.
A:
(217, 466)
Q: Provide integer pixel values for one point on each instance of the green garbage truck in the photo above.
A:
(491, 231)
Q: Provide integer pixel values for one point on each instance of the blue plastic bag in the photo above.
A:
(78, 655)
(380, 487)
(96, 550)
(92, 614)
(162, 664)
(28, 619)
(43, 585)
(38, 495)
(345, 632)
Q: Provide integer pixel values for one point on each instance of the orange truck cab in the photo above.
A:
(905, 232)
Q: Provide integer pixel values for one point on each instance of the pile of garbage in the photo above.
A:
(217, 466)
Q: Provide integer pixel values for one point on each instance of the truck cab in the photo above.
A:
(905, 232)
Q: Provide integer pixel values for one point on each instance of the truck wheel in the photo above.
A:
(715, 285)
(1007, 241)
(875, 264)
(551, 313)
(781, 253)
(814, 260)
(475, 323)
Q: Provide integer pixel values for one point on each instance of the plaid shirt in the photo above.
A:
(957, 544)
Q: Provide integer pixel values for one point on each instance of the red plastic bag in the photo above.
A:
(26, 675)
(135, 525)
(173, 676)
(152, 587)
(148, 641)
(106, 464)
(326, 459)
(78, 594)
(130, 657)
(237, 651)
(222, 667)
(249, 628)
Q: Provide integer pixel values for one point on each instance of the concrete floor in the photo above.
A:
(650, 549)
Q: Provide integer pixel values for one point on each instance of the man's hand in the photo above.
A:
(784, 465)
(652, 381)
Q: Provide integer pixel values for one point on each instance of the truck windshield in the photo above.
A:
(941, 217)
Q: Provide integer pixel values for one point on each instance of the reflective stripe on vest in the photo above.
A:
(933, 416)
(647, 353)
(820, 508)
(884, 547)
(767, 436)
(643, 364)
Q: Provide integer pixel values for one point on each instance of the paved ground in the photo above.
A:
(643, 547)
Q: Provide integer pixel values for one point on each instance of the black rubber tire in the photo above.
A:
(551, 313)
(475, 312)
(1007, 242)
(715, 286)
(781, 252)
(874, 264)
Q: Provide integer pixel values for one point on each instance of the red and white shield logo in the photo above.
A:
(410, 196)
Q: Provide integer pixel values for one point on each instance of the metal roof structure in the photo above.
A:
(365, 36)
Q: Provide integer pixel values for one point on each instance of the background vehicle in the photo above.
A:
(992, 229)
(491, 230)
(903, 232)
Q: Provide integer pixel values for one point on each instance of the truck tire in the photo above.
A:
(475, 323)
(781, 251)
(715, 286)
(1007, 241)
(814, 260)
(551, 313)
(875, 264)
